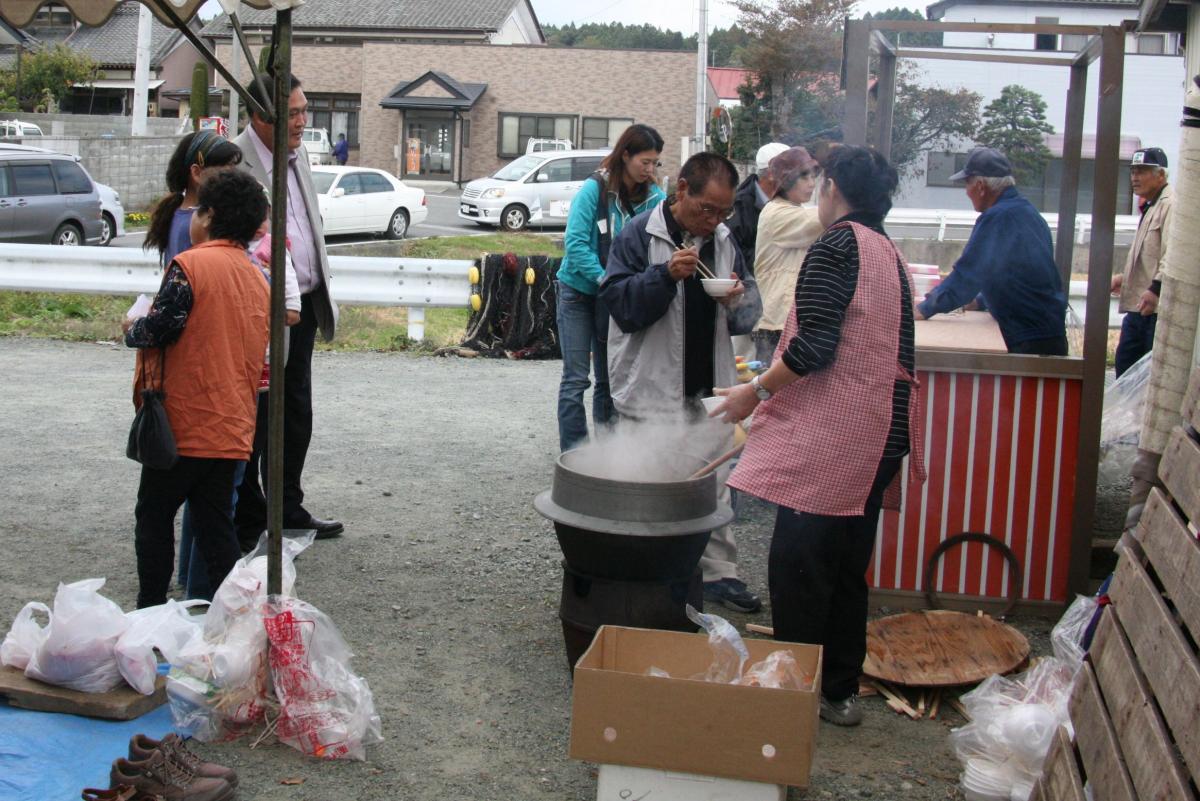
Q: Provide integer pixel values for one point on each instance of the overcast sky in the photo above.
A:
(677, 15)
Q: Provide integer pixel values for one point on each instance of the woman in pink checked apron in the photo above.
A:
(834, 418)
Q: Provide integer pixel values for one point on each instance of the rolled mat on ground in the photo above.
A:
(44, 755)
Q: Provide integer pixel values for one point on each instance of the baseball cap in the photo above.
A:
(986, 163)
(766, 153)
(1149, 157)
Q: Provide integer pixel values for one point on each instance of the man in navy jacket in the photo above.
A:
(1008, 264)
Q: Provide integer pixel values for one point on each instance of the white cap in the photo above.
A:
(766, 153)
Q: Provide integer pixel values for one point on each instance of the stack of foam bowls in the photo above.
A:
(984, 780)
(925, 277)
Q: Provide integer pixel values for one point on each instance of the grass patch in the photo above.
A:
(472, 247)
(385, 328)
(80, 318)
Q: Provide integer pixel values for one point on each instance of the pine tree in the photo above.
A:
(1014, 124)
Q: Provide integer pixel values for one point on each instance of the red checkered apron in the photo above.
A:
(816, 444)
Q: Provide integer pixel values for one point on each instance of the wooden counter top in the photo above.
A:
(973, 332)
(971, 343)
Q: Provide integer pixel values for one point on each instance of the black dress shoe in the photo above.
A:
(326, 529)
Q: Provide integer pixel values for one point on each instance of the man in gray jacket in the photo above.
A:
(306, 243)
(668, 340)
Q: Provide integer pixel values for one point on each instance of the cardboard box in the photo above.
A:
(622, 783)
(622, 716)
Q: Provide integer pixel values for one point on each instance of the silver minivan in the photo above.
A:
(535, 189)
(47, 198)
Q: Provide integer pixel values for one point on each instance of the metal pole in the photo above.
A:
(1095, 336)
(702, 77)
(857, 57)
(279, 201)
(234, 103)
(1068, 195)
(141, 72)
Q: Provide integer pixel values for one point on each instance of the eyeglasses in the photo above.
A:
(716, 214)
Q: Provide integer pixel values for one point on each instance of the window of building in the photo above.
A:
(1045, 41)
(337, 114)
(941, 166)
(72, 180)
(603, 132)
(517, 129)
(1074, 42)
(1151, 44)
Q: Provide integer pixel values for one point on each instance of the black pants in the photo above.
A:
(297, 433)
(207, 486)
(1054, 346)
(817, 574)
(1137, 338)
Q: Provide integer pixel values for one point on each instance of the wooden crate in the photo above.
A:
(1136, 704)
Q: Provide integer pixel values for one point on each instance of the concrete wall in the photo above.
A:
(944, 254)
(72, 125)
(135, 167)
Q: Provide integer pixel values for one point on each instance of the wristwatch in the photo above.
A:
(762, 392)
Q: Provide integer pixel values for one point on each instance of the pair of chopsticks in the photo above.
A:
(704, 270)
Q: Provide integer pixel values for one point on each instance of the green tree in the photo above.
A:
(908, 38)
(929, 118)
(725, 46)
(199, 97)
(47, 76)
(1014, 124)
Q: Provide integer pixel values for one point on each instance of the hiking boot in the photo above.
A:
(174, 748)
(845, 712)
(732, 593)
(159, 776)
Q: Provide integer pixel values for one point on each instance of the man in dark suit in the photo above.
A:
(306, 243)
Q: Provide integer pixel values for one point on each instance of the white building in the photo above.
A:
(1153, 86)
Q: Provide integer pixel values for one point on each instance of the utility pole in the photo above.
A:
(141, 72)
(701, 78)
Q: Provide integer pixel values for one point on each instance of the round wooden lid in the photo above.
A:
(940, 648)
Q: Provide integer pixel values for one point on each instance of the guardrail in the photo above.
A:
(942, 219)
(415, 284)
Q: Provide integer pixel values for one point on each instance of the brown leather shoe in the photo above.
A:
(122, 792)
(159, 776)
(174, 748)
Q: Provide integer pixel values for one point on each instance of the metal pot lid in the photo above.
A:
(546, 507)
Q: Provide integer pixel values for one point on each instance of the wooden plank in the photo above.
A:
(123, 703)
(1164, 654)
(1175, 556)
(1180, 466)
(1145, 743)
(970, 331)
(1098, 746)
(1060, 774)
(1191, 401)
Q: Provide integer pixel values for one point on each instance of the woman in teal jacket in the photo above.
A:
(625, 185)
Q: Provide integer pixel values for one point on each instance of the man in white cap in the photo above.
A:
(752, 194)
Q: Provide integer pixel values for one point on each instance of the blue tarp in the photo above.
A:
(47, 756)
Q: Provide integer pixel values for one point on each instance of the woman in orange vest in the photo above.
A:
(834, 417)
(203, 343)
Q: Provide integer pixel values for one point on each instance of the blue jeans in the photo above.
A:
(1137, 338)
(583, 338)
(193, 575)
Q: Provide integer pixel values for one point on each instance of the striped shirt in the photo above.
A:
(824, 290)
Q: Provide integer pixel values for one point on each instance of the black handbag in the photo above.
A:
(151, 441)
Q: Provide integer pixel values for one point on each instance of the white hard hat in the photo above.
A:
(766, 153)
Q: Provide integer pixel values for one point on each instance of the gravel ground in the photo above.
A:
(445, 584)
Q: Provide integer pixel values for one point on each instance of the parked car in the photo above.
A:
(361, 200)
(112, 214)
(320, 149)
(535, 145)
(18, 128)
(47, 198)
(537, 188)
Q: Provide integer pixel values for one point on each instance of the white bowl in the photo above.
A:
(718, 287)
(711, 404)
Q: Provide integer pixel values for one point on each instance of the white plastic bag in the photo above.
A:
(778, 670)
(729, 652)
(326, 710)
(78, 649)
(1121, 422)
(25, 636)
(167, 627)
(1067, 635)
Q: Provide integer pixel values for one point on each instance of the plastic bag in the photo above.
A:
(1121, 422)
(325, 709)
(778, 670)
(25, 636)
(729, 652)
(78, 650)
(167, 627)
(1067, 635)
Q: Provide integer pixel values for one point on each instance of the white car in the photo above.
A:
(112, 213)
(537, 188)
(357, 200)
(318, 146)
